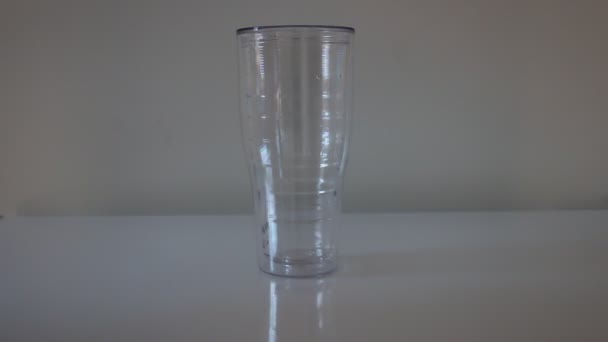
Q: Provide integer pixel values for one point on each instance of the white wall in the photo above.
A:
(129, 107)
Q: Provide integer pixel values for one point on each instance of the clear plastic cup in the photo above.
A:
(296, 108)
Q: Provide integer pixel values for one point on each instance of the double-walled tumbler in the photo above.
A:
(296, 107)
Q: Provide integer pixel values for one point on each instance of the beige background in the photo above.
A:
(129, 107)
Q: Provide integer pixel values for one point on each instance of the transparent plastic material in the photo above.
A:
(296, 104)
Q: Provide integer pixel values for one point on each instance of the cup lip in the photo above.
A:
(250, 29)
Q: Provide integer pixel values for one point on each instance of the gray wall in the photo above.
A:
(129, 107)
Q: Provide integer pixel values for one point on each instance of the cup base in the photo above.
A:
(290, 266)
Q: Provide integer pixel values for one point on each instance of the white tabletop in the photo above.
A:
(530, 276)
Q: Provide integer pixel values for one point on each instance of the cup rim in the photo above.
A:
(250, 29)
